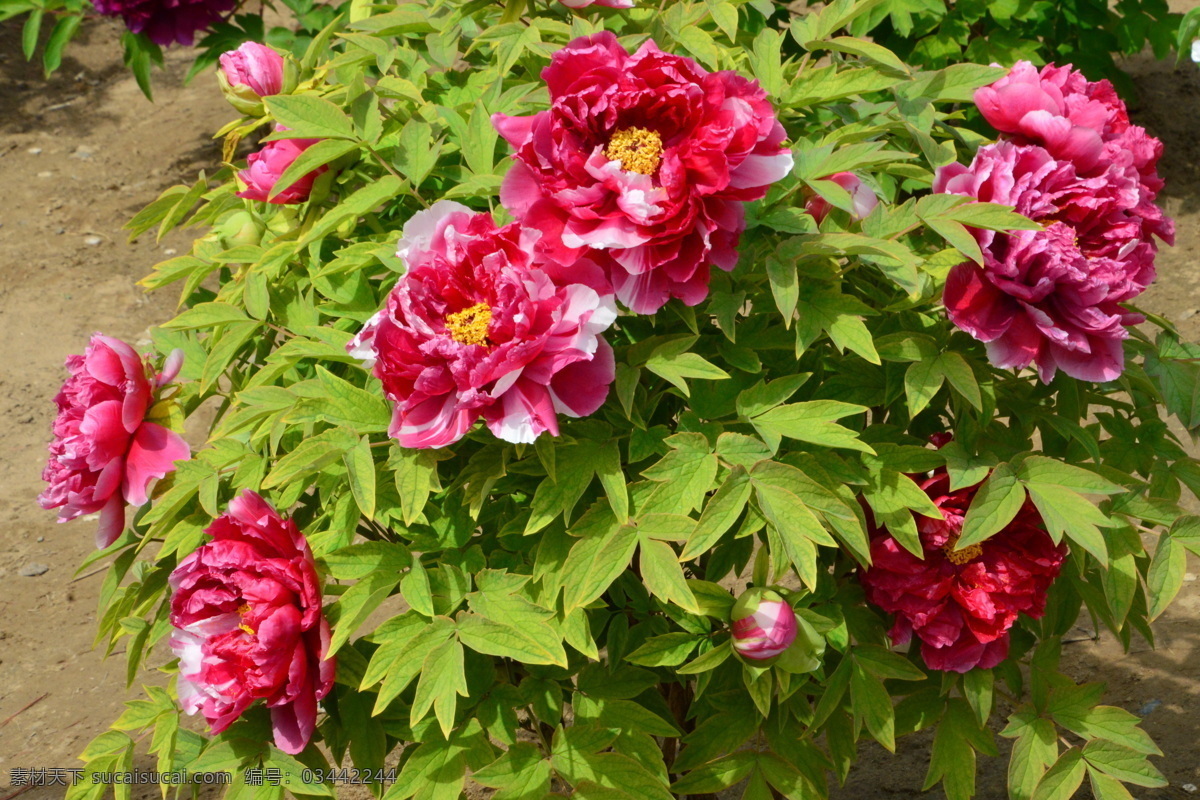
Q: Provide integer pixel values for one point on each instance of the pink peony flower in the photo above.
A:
(264, 168)
(864, 199)
(1052, 297)
(644, 161)
(586, 3)
(962, 604)
(477, 329)
(246, 608)
(1057, 108)
(167, 21)
(764, 624)
(105, 453)
(250, 73)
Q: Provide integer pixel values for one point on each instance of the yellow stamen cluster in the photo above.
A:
(470, 326)
(243, 610)
(960, 557)
(638, 149)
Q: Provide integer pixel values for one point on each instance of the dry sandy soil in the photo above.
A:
(82, 152)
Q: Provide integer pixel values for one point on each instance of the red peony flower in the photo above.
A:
(105, 453)
(477, 329)
(248, 624)
(264, 168)
(1051, 297)
(961, 604)
(644, 161)
(167, 21)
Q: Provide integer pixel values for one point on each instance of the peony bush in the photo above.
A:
(613, 401)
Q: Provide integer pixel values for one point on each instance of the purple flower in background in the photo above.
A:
(167, 21)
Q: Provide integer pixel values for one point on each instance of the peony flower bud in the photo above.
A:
(764, 624)
(264, 168)
(863, 198)
(248, 74)
(239, 228)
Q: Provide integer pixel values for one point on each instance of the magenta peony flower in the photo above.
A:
(105, 453)
(644, 162)
(250, 73)
(586, 3)
(764, 624)
(1052, 297)
(477, 328)
(246, 608)
(961, 604)
(864, 199)
(264, 168)
(167, 21)
(1057, 108)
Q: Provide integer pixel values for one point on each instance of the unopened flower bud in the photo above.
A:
(764, 624)
(864, 200)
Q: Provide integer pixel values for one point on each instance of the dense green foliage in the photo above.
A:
(557, 613)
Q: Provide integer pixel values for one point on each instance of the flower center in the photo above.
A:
(638, 149)
(470, 326)
(960, 557)
(243, 610)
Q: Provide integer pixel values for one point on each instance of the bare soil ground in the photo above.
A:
(82, 152)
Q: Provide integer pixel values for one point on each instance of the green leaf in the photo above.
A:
(993, 507)
(522, 773)
(360, 470)
(443, 681)
(310, 117)
(594, 563)
(708, 660)
(766, 61)
(957, 740)
(722, 510)
(63, 32)
(663, 576)
(360, 202)
(716, 776)
(314, 157)
(574, 468)
(612, 478)
(1062, 779)
(1122, 763)
(922, 381)
(360, 560)
(206, 315)
(416, 477)
(352, 608)
(30, 31)
(416, 590)
(1066, 512)
(873, 705)
(310, 456)
(667, 650)
(527, 642)
(1164, 578)
(1040, 469)
(1107, 788)
(811, 422)
(1033, 752)
(675, 368)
